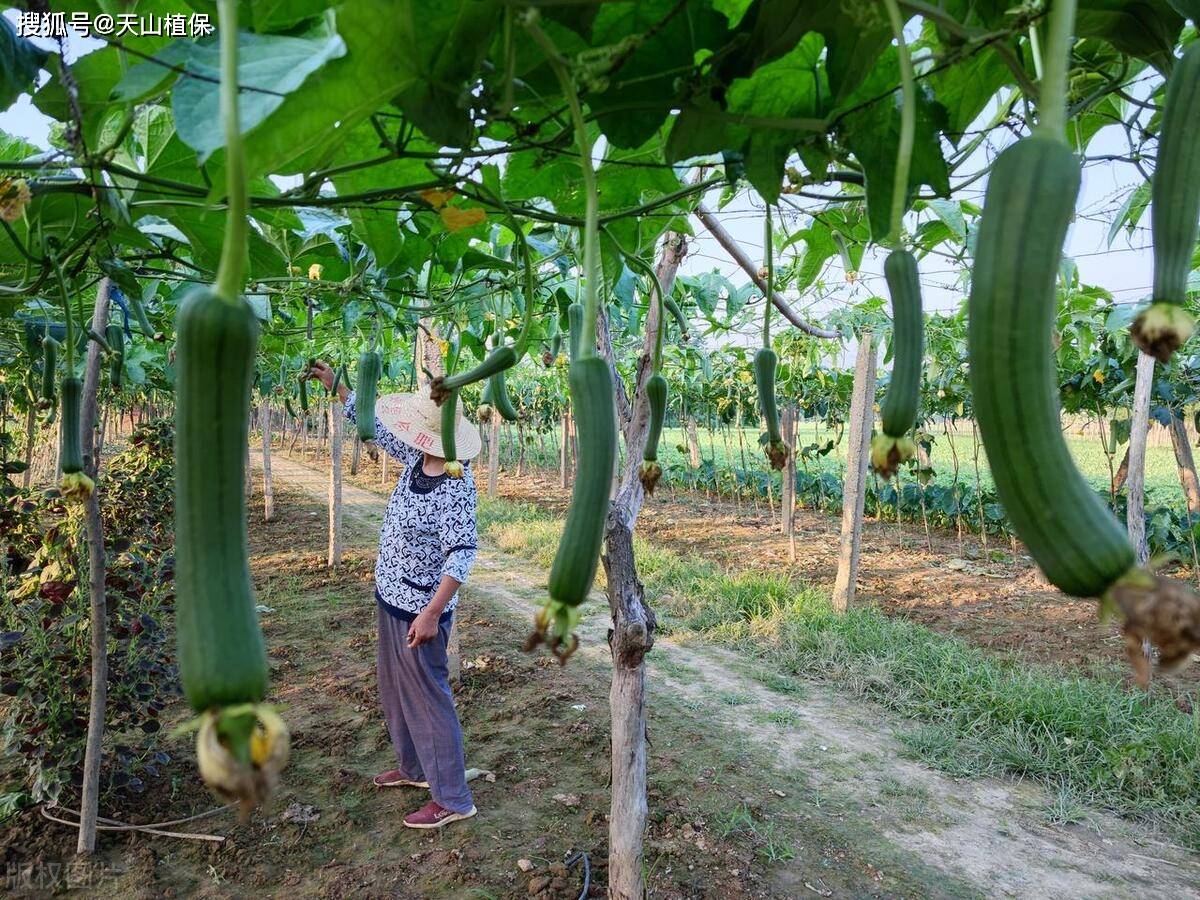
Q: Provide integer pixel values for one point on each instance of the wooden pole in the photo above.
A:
(30, 433)
(335, 482)
(248, 480)
(633, 621)
(1187, 465)
(854, 491)
(789, 480)
(98, 605)
(494, 456)
(268, 486)
(564, 452)
(1135, 483)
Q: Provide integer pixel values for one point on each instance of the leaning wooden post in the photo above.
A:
(355, 455)
(268, 486)
(30, 434)
(854, 491)
(1135, 482)
(633, 621)
(248, 481)
(494, 456)
(564, 453)
(98, 605)
(789, 480)
(1187, 465)
(335, 482)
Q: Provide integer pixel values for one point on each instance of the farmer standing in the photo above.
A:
(426, 550)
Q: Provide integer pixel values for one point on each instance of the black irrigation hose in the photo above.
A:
(581, 856)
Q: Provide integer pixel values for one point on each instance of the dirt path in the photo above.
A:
(993, 835)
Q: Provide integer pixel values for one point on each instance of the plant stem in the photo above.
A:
(231, 271)
(1056, 65)
(769, 260)
(908, 123)
(69, 318)
(646, 269)
(1035, 50)
(591, 217)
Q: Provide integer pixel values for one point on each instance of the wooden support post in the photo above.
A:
(30, 433)
(494, 457)
(453, 653)
(693, 441)
(97, 599)
(1135, 483)
(1187, 465)
(564, 453)
(248, 476)
(789, 479)
(268, 487)
(858, 452)
(335, 483)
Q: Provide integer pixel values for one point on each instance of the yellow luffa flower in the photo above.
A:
(456, 218)
(315, 271)
(435, 198)
(14, 197)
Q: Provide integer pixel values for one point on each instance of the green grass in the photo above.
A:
(1162, 478)
(1089, 739)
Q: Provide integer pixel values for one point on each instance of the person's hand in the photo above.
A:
(423, 629)
(321, 371)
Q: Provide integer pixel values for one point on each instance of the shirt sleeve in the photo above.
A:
(458, 530)
(384, 438)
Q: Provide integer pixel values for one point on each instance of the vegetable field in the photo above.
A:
(837, 404)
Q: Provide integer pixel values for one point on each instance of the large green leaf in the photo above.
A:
(15, 148)
(390, 46)
(1147, 29)
(626, 179)
(667, 39)
(150, 78)
(870, 127)
(444, 43)
(96, 74)
(966, 88)
(374, 225)
(19, 64)
(205, 231)
(855, 31)
(788, 88)
(269, 68)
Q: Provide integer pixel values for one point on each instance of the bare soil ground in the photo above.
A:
(815, 762)
(719, 826)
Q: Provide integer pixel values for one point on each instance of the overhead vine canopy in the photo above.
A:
(382, 134)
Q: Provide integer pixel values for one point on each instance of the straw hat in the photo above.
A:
(417, 421)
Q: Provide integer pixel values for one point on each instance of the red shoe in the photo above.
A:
(431, 815)
(395, 778)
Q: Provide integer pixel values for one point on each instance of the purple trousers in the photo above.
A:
(414, 689)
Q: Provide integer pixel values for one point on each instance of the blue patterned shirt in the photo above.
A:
(428, 529)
